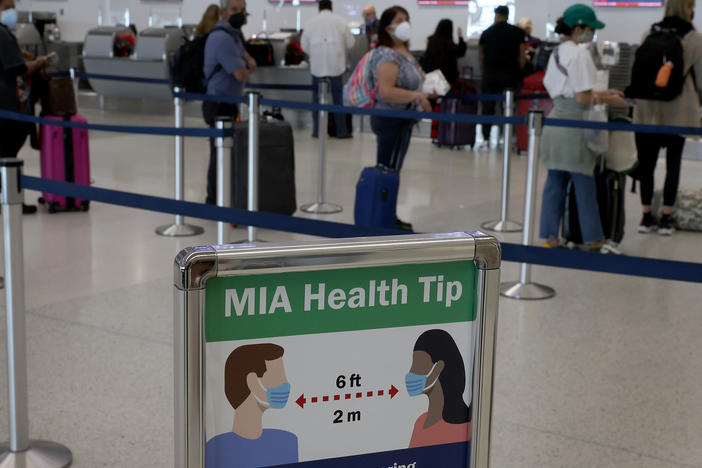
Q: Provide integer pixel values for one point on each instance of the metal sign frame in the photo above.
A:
(196, 265)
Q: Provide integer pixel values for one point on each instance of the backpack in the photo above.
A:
(188, 63)
(661, 46)
(357, 91)
(542, 56)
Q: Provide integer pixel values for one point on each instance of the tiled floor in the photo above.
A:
(607, 374)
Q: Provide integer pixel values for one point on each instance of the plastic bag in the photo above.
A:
(621, 156)
(597, 140)
(435, 82)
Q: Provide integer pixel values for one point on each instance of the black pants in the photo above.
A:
(13, 134)
(393, 137)
(494, 85)
(648, 147)
(210, 112)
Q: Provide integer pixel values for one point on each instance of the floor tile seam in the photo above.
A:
(110, 331)
(600, 444)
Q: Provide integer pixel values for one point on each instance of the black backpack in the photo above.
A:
(188, 63)
(661, 46)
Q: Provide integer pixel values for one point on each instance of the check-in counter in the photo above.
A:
(151, 59)
(290, 75)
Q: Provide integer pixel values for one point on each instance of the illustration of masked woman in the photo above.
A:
(439, 373)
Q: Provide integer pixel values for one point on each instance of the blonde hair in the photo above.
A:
(208, 21)
(678, 8)
(524, 23)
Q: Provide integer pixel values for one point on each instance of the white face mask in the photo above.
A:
(403, 31)
(585, 37)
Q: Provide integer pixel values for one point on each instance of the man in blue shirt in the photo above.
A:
(254, 382)
(227, 67)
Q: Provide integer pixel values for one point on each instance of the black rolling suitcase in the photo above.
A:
(276, 167)
(610, 200)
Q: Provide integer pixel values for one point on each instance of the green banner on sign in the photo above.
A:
(326, 301)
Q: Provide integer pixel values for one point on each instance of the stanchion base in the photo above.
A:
(502, 226)
(526, 291)
(41, 454)
(321, 208)
(179, 230)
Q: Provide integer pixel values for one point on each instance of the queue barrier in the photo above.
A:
(557, 258)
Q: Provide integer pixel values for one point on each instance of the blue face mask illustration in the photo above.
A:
(417, 384)
(9, 18)
(277, 396)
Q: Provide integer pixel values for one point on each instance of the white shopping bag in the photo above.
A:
(435, 83)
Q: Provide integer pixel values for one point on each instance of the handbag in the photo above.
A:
(621, 155)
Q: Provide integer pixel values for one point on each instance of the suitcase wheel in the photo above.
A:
(41, 200)
(85, 205)
(53, 208)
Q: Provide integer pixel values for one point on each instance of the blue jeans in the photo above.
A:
(394, 137)
(337, 93)
(553, 205)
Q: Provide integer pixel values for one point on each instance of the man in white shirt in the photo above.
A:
(326, 39)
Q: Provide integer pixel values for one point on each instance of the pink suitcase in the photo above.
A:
(65, 156)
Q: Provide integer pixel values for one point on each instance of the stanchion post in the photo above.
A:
(504, 224)
(179, 228)
(20, 452)
(224, 145)
(525, 288)
(254, 124)
(320, 206)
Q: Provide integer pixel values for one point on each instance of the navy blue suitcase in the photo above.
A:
(376, 198)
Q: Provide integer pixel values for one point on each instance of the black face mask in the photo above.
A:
(237, 20)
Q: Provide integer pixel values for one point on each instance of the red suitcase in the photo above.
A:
(65, 156)
(533, 84)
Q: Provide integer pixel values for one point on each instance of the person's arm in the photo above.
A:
(388, 91)
(522, 56)
(230, 55)
(481, 59)
(36, 65)
(251, 64)
(462, 47)
(305, 42)
(613, 97)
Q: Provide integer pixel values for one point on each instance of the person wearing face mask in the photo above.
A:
(370, 20)
(682, 110)
(226, 68)
(14, 95)
(438, 371)
(570, 80)
(254, 382)
(398, 77)
(326, 40)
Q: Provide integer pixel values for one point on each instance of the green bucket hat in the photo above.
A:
(581, 15)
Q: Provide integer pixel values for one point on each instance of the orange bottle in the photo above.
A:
(663, 76)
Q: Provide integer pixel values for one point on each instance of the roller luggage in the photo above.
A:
(376, 198)
(610, 200)
(533, 84)
(262, 52)
(276, 167)
(454, 134)
(65, 156)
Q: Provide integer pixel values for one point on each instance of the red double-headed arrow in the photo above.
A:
(302, 401)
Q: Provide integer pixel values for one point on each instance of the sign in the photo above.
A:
(367, 366)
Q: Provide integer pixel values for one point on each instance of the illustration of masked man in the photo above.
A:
(254, 381)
